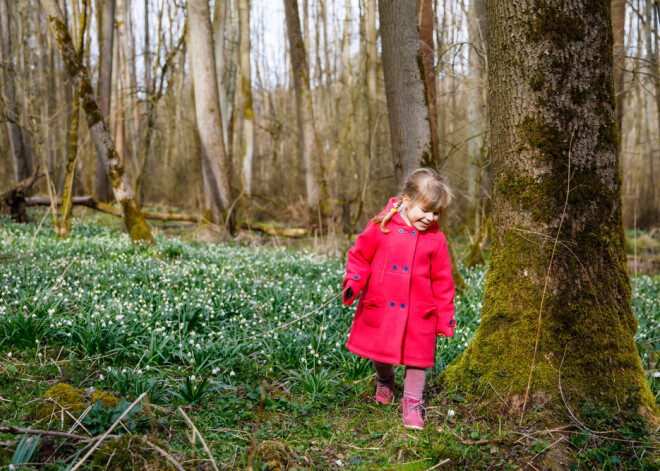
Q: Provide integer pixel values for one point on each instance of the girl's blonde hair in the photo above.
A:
(423, 187)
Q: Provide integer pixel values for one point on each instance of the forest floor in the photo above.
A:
(236, 354)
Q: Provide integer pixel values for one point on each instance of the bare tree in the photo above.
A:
(106, 21)
(410, 131)
(247, 111)
(67, 191)
(217, 166)
(136, 225)
(425, 14)
(308, 138)
(20, 157)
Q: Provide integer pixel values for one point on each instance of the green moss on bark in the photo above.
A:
(546, 138)
(136, 224)
(551, 23)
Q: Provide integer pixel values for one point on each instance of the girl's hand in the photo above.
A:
(348, 294)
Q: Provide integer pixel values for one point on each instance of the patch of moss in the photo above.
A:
(551, 23)
(548, 139)
(59, 400)
(108, 400)
(579, 96)
(64, 397)
(538, 81)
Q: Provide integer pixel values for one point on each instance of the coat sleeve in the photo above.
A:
(358, 265)
(442, 285)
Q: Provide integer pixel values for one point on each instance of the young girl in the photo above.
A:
(401, 262)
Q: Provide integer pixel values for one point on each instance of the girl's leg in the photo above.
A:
(413, 406)
(385, 382)
(413, 383)
(384, 371)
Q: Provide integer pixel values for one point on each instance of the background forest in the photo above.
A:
(179, 354)
(139, 62)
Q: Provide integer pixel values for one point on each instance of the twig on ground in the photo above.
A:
(196, 432)
(287, 324)
(23, 431)
(443, 462)
(169, 457)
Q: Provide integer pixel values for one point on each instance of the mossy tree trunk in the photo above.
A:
(69, 169)
(135, 222)
(405, 87)
(247, 111)
(558, 262)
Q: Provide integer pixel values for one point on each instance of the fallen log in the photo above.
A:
(290, 232)
(93, 203)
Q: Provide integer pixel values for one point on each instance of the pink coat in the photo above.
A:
(408, 294)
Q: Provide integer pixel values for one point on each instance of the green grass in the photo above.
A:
(214, 329)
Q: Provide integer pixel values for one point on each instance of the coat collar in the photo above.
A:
(398, 220)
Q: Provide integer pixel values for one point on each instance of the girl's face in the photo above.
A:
(417, 216)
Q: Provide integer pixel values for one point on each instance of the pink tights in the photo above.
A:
(413, 381)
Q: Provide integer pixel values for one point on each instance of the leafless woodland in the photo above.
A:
(276, 162)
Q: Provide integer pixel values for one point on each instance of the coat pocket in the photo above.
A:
(372, 311)
(428, 318)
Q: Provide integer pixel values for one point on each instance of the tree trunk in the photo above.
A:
(67, 191)
(128, 87)
(247, 147)
(136, 225)
(425, 13)
(618, 26)
(410, 131)
(207, 105)
(18, 152)
(309, 144)
(106, 17)
(477, 144)
(556, 318)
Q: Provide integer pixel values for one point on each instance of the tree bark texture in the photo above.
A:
(403, 64)
(106, 14)
(558, 265)
(425, 13)
(207, 104)
(309, 144)
(136, 225)
(247, 147)
(618, 26)
(70, 165)
(19, 155)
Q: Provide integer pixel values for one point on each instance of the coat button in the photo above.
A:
(393, 267)
(400, 231)
(392, 304)
(413, 232)
(405, 268)
(356, 277)
(402, 305)
(451, 322)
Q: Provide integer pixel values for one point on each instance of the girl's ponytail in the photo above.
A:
(384, 219)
